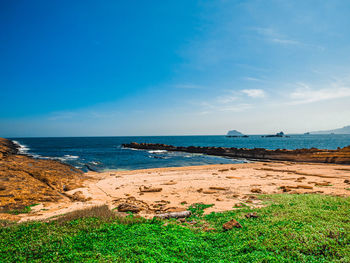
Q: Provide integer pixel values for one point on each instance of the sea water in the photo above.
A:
(107, 153)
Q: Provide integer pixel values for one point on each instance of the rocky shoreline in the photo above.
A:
(25, 181)
(8, 147)
(313, 155)
(57, 188)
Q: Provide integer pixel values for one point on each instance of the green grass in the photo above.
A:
(24, 210)
(291, 228)
(198, 209)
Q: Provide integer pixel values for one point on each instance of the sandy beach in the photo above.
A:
(227, 186)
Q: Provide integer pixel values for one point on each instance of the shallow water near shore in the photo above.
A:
(106, 153)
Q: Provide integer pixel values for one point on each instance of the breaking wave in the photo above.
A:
(157, 151)
(23, 149)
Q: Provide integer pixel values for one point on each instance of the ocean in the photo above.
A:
(106, 153)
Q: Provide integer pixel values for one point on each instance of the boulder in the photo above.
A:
(256, 190)
(251, 215)
(125, 207)
(231, 224)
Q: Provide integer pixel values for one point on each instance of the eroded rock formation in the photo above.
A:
(339, 156)
(25, 181)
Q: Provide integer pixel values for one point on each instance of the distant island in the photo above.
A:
(235, 133)
(344, 130)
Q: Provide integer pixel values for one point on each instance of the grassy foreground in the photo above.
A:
(291, 228)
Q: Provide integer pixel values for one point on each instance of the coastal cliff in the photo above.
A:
(26, 181)
(339, 156)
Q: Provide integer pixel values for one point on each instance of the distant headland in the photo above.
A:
(344, 130)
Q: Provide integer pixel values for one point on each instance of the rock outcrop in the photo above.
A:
(25, 181)
(231, 224)
(339, 156)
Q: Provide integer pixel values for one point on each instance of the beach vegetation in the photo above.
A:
(289, 228)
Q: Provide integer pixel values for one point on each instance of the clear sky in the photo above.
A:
(85, 68)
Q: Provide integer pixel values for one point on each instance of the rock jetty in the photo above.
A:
(26, 181)
(339, 156)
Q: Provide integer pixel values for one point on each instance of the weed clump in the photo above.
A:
(101, 212)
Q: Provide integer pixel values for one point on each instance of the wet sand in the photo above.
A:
(226, 186)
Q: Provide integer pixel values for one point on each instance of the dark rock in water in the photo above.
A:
(90, 167)
(158, 157)
(279, 134)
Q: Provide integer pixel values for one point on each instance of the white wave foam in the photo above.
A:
(70, 157)
(132, 149)
(66, 157)
(157, 151)
(62, 159)
(37, 156)
(23, 149)
(43, 157)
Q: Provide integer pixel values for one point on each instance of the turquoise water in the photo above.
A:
(101, 153)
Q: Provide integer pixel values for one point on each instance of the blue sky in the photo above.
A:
(76, 68)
